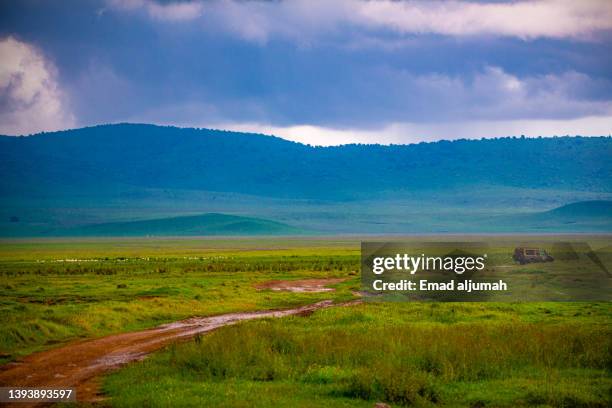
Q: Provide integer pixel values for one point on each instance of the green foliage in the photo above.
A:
(407, 354)
(400, 354)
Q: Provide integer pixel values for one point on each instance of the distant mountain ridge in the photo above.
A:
(119, 174)
(108, 156)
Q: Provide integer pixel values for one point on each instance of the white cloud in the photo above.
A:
(491, 103)
(30, 98)
(175, 11)
(499, 95)
(495, 94)
(524, 19)
(167, 11)
(301, 20)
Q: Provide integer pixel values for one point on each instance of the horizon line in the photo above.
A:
(254, 132)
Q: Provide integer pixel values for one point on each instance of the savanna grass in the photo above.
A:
(48, 301)
(402, 354)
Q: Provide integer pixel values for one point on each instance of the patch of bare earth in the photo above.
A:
(302, 285)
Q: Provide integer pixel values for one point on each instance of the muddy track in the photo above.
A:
(301, 285)
(80, 364)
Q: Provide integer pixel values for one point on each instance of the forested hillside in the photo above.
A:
(122, 173)
(166, 157)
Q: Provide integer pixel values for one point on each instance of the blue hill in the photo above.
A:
(111, 156)
(112, 174)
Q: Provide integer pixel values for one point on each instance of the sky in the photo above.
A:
(322, 72)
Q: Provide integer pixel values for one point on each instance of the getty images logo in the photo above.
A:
(412, 264)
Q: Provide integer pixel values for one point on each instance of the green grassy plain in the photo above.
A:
(53, 291)
(405, 354)
(422, 354)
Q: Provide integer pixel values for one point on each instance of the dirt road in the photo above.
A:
(80, 364)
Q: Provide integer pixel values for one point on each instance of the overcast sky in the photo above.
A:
(315, 71)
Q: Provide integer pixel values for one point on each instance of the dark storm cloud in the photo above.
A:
(344, 64)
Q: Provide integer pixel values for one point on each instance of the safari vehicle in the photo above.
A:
(529, 255)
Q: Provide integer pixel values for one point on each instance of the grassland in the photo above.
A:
(56, 291)
(419, 354)
(477, 355)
